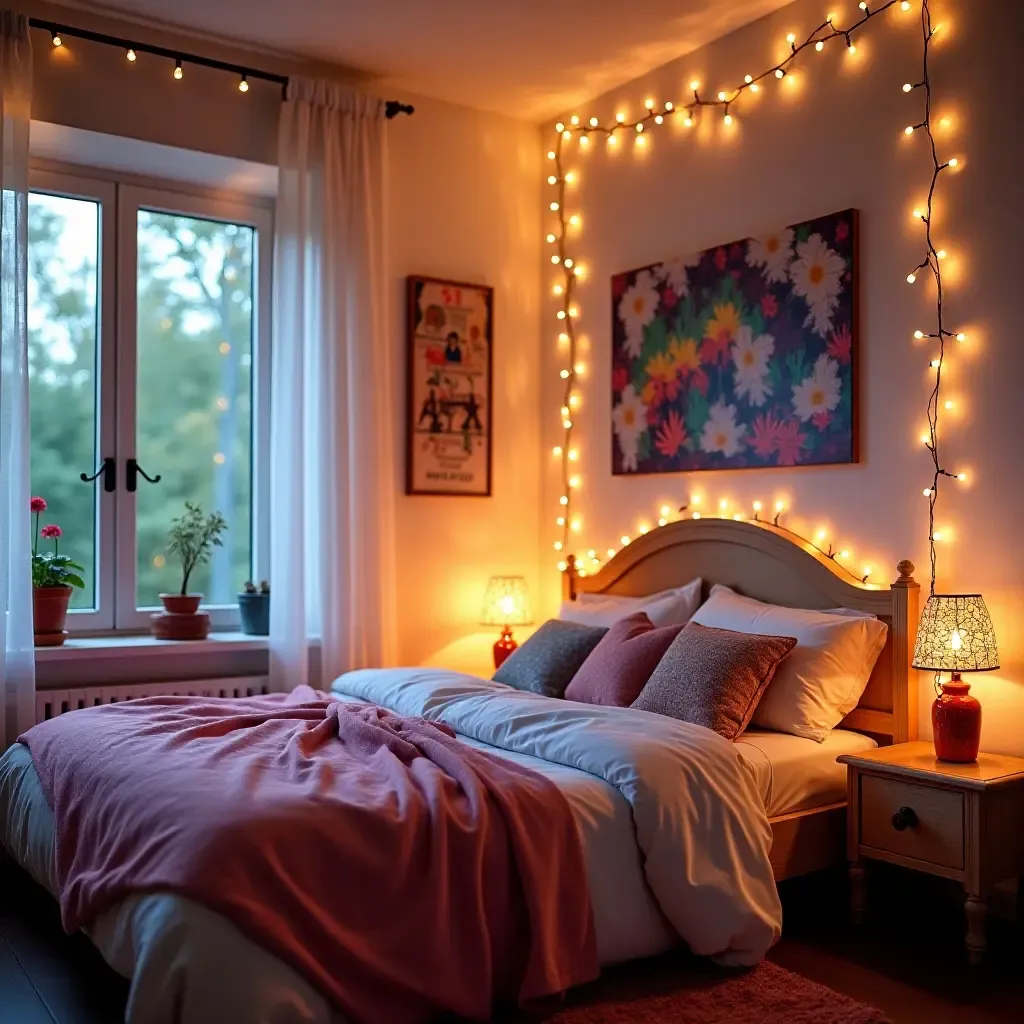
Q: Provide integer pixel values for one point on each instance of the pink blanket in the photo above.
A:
(403, 872)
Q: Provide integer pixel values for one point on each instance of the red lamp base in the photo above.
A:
(503, 647)
(956, 722)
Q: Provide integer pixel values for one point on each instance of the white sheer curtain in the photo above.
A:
(17, 664)
(333, 473)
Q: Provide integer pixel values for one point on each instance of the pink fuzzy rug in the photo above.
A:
(699, 993)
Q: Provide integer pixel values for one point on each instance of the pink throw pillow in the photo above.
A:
(618, 668)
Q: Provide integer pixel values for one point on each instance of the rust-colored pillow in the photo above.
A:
(714, 677)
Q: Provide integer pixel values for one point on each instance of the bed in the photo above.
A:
(782, 796)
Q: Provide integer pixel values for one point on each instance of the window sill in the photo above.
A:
(105, 647)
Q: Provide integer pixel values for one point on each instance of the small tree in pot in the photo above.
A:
(192, 537)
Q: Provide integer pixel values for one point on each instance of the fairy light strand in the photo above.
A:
(619, 129)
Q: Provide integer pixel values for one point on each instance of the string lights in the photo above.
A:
(689, 112)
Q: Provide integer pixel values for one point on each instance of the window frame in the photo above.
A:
(120, 196)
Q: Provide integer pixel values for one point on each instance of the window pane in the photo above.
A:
(63, 236)
(194, 396)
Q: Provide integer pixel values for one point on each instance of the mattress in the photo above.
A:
(794, 773)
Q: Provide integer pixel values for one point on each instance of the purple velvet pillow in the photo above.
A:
(618, 668)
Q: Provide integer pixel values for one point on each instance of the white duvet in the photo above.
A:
(673, 830)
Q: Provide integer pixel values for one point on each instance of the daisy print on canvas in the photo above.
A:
(740, 356)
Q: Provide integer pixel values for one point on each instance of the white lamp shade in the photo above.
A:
(506, 602)
(956, 635)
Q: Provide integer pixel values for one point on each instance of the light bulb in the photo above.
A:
(558, 545)
(925, 439)
(851, 48)
(552, 180)
(780, 506)
(594, 122)
(57, 41)
(563, 338)
(592, 554)
(649, 104)
(867, 571)
(721, 97)
(574, 119)
(574, 401)
(584, 140)
(941, 254)
(243, 85)
(565, 410)
(640, 126)
(611, 140)
(566, 134)
(554, 207)
(950, 404)
(727, 119)
(560, 314)
(694, 85)
(560, 521)
(819, 46)
(564, 499)
(757, 506)
(956, 640)
(844, 553)
(668, 104)
(611, 552)
(557, 450)
(723, 504)
(696, 515)
(863, 5)
(907, 87)
(567, 424)
(695, 499)
(909, 130)
(573, 455)
(918, 213)
(555, 260)
(574, 311)
(574, 220)
(620, 117)
(623, 540)
(779, 73)
(644, 528)
(562, 566)
(559, 126)
(919, 335)
(937, 535)
(549, 237)
(131, 55)
(927, 492)
(961, 336)
(580, 368)
(688, 121)
(557, 290)
(662, 521)
(755, 87)
(904, 5)
(551, 154)
(177, 70)
(748, 79)
(935, 364)
(911, 278)
(658, 119)
(791, 38)
(954, 162)
(961, 477)
(574, 481)
(567, 262)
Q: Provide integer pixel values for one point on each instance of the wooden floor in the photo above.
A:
(908, 960)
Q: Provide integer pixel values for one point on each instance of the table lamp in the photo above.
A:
(505, 604)
(956, 635)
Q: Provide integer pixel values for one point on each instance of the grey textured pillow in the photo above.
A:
(714, 677)
(550, 658)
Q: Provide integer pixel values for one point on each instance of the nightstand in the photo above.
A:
(959, 821)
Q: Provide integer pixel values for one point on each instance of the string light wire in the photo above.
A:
(567, 313)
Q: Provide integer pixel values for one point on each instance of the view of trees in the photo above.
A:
(193, 386)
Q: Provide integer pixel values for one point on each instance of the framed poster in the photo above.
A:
(738, 357)
(449, 387)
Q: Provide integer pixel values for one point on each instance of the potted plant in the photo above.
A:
(254, 608)
(191, 538)
(53, 578)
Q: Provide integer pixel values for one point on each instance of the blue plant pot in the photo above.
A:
(254, 610)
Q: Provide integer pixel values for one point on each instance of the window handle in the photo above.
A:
(109, 470)
(132, 471)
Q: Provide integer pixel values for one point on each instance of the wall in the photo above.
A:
(464, 195)
(827, 138)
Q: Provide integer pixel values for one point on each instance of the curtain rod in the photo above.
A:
(392, 108)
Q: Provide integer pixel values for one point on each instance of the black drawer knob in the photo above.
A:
(904, 818)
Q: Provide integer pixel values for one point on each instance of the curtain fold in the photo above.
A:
(17, 663)
(332, 453)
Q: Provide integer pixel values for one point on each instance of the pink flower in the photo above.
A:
(841, 344)
(789, 442)
(765, 434)
(37, 505)
(669, 298)
(721, 258)
(620, 378)
(769, 304)
(51, 532)
(716, 349)
(619, 282)
(842, 231)
(671, 435)
(822, 419)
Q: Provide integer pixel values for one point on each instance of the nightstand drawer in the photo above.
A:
(933, 829)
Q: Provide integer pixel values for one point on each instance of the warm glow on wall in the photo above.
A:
(687, 111)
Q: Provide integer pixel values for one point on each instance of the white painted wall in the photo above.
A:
(827, 138)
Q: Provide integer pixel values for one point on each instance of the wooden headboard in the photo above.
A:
(766, 563)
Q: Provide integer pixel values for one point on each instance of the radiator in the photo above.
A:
(50, 703)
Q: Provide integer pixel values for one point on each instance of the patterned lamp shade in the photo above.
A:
(956, 635)
(506, 602)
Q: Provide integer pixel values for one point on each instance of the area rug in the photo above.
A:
(694, 992)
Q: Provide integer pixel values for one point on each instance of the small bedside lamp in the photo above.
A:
(505, 605)
(956, 635)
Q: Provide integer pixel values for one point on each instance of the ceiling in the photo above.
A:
(530, 59)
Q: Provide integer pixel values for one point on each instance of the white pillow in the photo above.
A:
(666, 608)
(822, 678)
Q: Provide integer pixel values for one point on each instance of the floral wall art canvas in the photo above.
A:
(741, 356)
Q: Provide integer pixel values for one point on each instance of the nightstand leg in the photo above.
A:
(976, 913)
(858, 891)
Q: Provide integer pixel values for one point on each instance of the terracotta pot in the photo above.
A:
(50, 614)
(956, 723)
(181, 604)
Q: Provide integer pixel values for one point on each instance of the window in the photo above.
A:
(148, 311)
